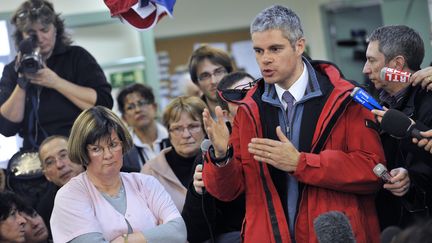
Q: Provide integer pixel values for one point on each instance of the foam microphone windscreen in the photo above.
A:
(333, 227)
(396, 123)
(389, 233)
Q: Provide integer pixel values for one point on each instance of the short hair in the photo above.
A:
(49, 139)
(232, 78)
(145, 91)
(33, 11)
(192, 105)
(92, 125)
(8, 201)
(228, 81)
(280, 18)
(394, 40)
(214, 55)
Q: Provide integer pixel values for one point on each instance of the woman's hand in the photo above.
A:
(198, 182)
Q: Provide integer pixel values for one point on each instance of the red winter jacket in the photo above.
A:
(337, 177)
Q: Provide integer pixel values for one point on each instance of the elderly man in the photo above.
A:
(58, 169)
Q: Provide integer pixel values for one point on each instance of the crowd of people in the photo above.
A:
(250, 160)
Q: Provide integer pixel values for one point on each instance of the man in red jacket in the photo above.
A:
(299, 147)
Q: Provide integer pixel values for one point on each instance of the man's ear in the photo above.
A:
(300, 46)
(399, 62)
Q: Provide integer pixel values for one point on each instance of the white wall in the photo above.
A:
(190, 17)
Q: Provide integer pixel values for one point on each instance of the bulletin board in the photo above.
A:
(180, 48)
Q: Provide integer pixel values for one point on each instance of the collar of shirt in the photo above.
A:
(162, 133)
(395, 100)
(297, 90)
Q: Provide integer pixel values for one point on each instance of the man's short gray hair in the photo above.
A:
(281, 18)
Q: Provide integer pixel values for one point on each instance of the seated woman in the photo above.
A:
(173, 167)
(103, 204)
(12, 223)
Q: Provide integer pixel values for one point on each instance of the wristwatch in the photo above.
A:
(23, 82)
(221, 161)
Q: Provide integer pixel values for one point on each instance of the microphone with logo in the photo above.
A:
(394, 75)
(365, 99)
(333, 227)
(397, 124)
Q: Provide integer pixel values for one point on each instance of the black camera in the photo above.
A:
(31, 59)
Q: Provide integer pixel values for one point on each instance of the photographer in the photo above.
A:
(50, 82)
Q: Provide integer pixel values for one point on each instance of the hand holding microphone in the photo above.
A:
(198, 182)
(365, 99)
(423, 77)
(426, 142)
(397, 181)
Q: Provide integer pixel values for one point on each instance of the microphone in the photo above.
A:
(205, 145)
(398, 125)
(389, 233)
(393, 75)
(365, 99)
(333, 227)
(381, 171)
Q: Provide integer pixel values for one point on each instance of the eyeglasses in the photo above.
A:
(96, 150)
(237, 93)
(192, 128)
(63, 155)
(35, 11)
(218, 73)
(141, 103)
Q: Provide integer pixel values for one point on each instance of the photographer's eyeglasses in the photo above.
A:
(237, 93)
(141, 103)
(96, 150)
(218, 73)
(35, 11)
(192, 128)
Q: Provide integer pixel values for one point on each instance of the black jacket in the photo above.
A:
(223, 217)
(417, 203)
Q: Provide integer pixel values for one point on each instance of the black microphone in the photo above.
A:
(389, 233)
(333, 227)
(398, 125)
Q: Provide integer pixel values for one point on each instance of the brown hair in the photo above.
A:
(214, 55)
(192, 105)
(33, 11)
(92, 125)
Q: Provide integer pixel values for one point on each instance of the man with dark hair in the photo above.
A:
(299, 147)
(58, 169)
(36, 230)
(207, 66)
(408, 196)
(138, 108)
(44, 97)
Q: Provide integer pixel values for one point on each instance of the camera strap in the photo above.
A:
(34, 123)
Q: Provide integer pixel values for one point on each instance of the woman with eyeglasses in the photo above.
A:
(103, 204)
(174, 166)
(138, 109)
